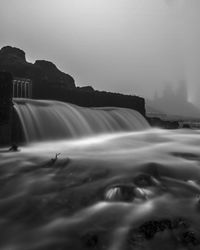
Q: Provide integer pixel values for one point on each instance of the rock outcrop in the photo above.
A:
(41, 72)
(53, 75)
(9, 54)
(50, 83)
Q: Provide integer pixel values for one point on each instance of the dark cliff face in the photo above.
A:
(14, 61)
(9, 53)
(41, 72)
(50, 83)
(52, 74)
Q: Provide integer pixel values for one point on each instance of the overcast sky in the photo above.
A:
(129, 46)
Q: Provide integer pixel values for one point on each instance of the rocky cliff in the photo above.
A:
(14, 60)
(50, 83)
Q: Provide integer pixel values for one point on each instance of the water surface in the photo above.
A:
(125, 190)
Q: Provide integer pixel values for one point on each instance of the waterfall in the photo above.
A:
(47, 120)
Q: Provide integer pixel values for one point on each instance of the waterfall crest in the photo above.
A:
(47, 120)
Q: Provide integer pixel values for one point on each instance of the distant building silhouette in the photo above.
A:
(174, 101)
(182, 91)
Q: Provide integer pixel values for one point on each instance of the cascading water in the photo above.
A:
(45, 120)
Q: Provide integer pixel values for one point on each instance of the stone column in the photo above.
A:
(21, 93)
(17, 83)
(14, 88)
(27, 87)
(30, 90)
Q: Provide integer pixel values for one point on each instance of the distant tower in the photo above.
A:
(168, 93)
(156, 96)
(182, 91)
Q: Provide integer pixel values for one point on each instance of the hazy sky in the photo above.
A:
(129, 46)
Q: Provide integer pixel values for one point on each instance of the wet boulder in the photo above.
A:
(124, 193)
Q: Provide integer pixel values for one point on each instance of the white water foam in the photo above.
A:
(49, 203)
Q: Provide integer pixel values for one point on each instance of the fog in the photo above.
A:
(128, 46)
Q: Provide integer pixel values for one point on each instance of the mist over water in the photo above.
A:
(120, 190)
(132, 46)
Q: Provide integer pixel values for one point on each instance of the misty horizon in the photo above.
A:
(131, 47)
